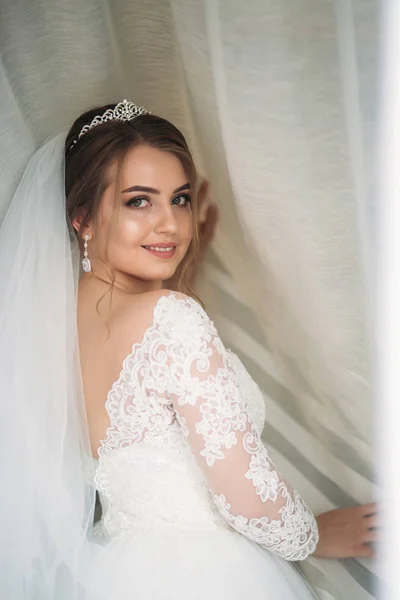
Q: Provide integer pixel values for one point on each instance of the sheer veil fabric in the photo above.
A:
(47, 500)
(277, 101)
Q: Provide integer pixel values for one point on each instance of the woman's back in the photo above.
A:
(107, 332)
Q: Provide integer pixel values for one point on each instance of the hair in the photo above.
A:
(88, 159)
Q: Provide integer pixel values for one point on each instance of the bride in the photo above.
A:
(113, 383)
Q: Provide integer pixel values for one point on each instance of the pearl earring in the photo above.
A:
(86, 264)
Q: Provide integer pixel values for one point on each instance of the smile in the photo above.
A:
(162, 251)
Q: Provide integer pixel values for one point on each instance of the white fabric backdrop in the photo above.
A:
(277, 99)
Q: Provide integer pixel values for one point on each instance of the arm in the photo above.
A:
(248, 490)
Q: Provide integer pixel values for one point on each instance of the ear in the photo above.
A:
(77, 222)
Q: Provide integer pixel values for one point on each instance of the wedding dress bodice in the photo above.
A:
(183, 451)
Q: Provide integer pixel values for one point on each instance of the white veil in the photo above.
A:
(45, 475)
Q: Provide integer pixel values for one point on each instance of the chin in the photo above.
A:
(161, 274)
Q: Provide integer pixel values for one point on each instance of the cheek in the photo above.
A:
(131, 228)
(185, 225)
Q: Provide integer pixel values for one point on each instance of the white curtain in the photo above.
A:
(277, 99)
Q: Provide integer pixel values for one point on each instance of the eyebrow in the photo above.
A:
(150, 190)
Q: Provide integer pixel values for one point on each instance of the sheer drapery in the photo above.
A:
(277, 100)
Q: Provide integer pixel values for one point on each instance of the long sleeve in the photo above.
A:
(210, 403)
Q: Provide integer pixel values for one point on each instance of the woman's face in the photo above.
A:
(151, 231)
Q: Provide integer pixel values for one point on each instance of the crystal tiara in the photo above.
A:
(123, 111)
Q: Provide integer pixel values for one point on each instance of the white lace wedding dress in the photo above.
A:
(193, 508)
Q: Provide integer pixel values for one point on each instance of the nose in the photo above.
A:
(166, 221)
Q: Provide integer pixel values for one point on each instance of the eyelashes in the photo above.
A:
(185, 197)
(135, 202)
(143, 201)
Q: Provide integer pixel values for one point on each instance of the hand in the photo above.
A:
(208, 218)
(345, 532)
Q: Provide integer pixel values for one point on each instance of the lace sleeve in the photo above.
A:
(248, 490)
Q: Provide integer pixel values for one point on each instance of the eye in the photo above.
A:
(138, 202)
(181, 200)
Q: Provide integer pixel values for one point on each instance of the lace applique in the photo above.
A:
(265, 479)
(221, 417)
(209, 398)
(293, 537)
(182, 392)
(137, 404)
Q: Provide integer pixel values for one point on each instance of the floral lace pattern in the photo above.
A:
(292, 538)
(183, 394)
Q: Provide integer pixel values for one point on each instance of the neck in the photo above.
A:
(101, 281)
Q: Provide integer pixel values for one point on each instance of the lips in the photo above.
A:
(161, 250)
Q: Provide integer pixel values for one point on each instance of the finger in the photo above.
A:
(212, 216)
(369, 509)
(370, 536)
(203, 212)
(208, 228)
(203, 190)
(371, 521)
